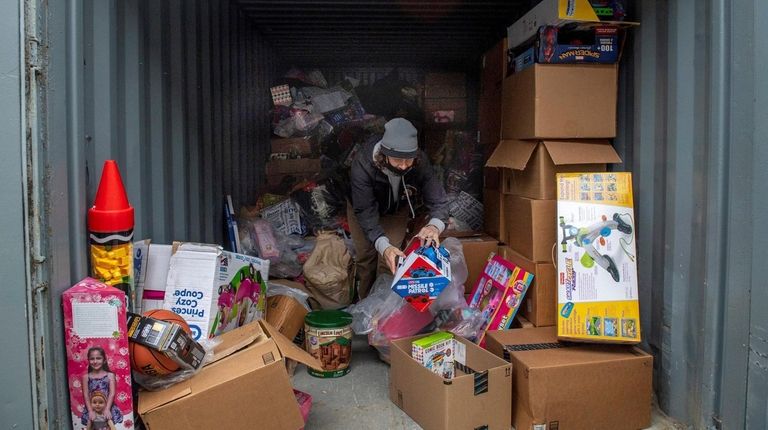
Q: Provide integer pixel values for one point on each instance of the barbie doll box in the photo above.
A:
(596, 263)
(98, 366)
(214, 290)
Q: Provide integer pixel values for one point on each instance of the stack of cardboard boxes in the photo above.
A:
(555, 118)
(292, 157)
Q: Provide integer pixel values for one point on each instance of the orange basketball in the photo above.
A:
(149, 361)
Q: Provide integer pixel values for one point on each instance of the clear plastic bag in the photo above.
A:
(157, 383)
(372, 307)
(278, 289)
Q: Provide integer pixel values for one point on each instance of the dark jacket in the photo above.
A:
(372, 192)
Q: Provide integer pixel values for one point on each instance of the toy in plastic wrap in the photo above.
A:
(110, 228)
(422, 275)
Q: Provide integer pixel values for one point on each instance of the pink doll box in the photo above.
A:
(97, 353)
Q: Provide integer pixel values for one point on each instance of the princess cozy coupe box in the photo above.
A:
(596, 263)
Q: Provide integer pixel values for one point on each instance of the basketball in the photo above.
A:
(149, 361)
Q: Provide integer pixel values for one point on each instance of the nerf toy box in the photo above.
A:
(98, 364)
(167, 338)
(498, 294)
(422, 275)
(596, 263)
(590, 45)
(214, 290)
(561, 12)
(435, 352)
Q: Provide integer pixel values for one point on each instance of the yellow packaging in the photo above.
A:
(596, 263)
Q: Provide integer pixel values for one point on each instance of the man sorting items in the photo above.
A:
(385, 178)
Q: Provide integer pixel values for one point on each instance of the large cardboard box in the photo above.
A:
(493, 214)
(476, 249)
(574, 386)
(530, 226)
(576, 101)
(299, 165)
(445, 112)
(596, 258)
(540, 303)
(248, 368)
(445, 85)
(286, 314)
(477, 396)
(301, 146)
(528, 167)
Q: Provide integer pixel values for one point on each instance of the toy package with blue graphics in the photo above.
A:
(422, 275)
(596, 258)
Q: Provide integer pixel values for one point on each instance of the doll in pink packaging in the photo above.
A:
(98, 364)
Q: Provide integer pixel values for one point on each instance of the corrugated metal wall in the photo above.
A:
(693, 129)
(177, 91)
(17, 406)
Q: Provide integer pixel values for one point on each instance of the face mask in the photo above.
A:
(398, 172)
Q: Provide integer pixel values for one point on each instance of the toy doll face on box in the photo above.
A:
(98, 364)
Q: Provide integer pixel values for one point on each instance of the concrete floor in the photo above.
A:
(360, 399)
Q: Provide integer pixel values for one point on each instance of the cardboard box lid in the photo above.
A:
(542, 349)
(515, 154)
(258, 335)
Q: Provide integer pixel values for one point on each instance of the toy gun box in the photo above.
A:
(166, 337)
(422, 275)
(596, 258)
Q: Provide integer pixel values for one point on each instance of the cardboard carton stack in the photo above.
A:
(574, 232)
(294, 157)
(445, 100)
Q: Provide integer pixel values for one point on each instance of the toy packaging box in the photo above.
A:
(214, 290)
(498, 294)
(98, 365)
(596, 263)
(565, 12)
(435, 352)
(590, 45)
(422, 275)
(150, 265)
(167, 338)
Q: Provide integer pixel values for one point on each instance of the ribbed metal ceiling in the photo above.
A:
(436, 33)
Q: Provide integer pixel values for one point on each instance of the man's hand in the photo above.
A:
(391, 254)
(429, 236)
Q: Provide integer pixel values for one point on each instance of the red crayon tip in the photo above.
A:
(111, 210)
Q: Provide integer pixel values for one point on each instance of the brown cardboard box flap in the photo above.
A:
(583, 152)
(235, 340)
(512, 154)
(289, 349)
(151, 400)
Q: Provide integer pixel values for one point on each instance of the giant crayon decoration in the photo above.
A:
(110, 228)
